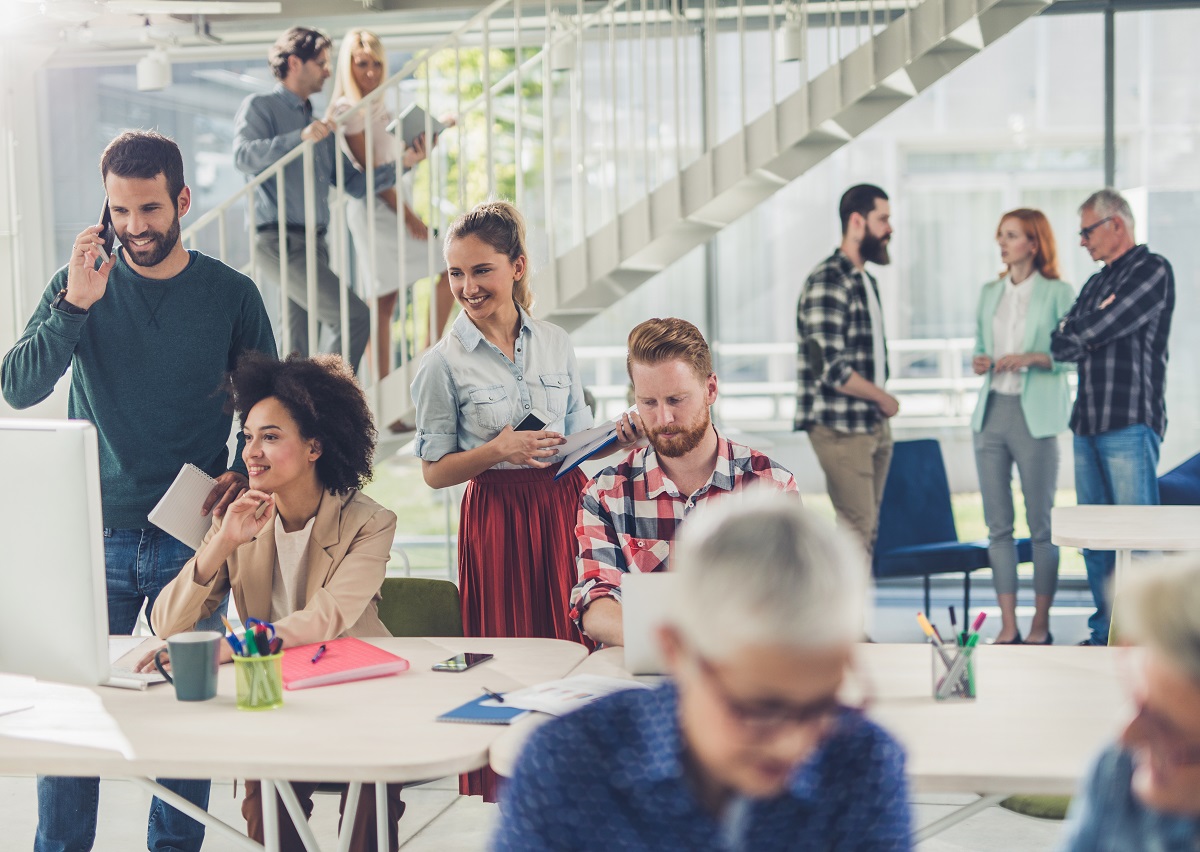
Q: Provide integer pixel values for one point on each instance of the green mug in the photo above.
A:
(259, 682)
(194, 659)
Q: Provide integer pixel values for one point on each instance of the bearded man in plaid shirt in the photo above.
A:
(628, 514)
(841, 366)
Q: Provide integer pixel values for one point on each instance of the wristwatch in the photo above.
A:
(60, 302)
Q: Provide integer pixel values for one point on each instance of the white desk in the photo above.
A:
(381, 730)
(1041, 715)
(1125, 529)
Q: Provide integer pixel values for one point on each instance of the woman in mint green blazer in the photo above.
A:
(1023, 405)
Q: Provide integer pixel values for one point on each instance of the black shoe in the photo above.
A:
(1016, 640)
(1049, 640)
(1088, 643)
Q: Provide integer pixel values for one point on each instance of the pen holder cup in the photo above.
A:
(259, 682)
(954, 682)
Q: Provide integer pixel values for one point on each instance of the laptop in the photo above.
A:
(644, 601)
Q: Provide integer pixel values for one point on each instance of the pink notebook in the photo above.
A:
(344, 660)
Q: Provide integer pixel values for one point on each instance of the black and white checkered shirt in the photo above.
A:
(1117, 331)
(834, 327)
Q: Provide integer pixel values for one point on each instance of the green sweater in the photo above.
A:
(149, 365)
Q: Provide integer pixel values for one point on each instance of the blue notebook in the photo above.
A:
(483, 710)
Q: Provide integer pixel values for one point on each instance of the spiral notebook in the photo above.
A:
(484, 710)
(178, 512)
(342, 661)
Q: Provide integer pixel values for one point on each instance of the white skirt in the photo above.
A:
(387, 250)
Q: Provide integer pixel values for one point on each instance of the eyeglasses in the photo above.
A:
(1165, 737)
(768, 717)
(1086, 233)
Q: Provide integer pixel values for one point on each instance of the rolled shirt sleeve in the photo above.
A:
(436, 396)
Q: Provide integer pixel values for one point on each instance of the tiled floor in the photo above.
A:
(438, 820)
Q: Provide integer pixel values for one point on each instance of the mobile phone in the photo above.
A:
(531, 423)
(108, 234)
(461, 662)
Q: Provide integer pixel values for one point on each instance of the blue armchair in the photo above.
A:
(917, 536)
(1181, 485)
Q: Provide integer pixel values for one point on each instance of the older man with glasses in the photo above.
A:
(1144, 790)
(749, 747)
(1117, 332)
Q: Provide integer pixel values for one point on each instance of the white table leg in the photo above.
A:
(227, 833)
(954, 818)
(348, 815)
(1121, 574)
(381, 817)
(299, 820)
(270, 816)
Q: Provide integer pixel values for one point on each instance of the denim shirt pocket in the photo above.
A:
(557, 387)
(489, 407)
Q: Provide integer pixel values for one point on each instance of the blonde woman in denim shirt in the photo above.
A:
(496, 366)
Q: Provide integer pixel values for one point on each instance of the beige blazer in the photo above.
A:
(347, 555)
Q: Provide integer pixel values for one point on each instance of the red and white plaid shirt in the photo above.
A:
(628, 515)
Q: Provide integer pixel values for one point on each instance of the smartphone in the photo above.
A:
(108, 234)
(461, 662)
(531, 423)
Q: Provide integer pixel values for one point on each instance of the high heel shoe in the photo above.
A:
(1016, 640)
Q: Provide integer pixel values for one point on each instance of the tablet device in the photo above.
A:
(411, 124)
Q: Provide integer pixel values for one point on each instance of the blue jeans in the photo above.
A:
(138, 563)
(1117, 468)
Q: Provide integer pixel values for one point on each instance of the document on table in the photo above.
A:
(560, 697)
(71, 715)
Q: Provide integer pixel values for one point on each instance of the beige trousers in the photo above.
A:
(856, 467)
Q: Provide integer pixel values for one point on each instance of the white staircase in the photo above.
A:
(879, 54)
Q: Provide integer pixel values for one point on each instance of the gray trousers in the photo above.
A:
(329, 309)
(1005, 439)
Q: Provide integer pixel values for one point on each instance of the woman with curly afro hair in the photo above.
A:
(313, 561)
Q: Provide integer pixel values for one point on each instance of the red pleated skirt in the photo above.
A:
(517, 563)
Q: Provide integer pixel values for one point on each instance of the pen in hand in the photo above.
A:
(495, 696)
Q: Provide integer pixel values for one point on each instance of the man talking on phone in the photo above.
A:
(149, 336)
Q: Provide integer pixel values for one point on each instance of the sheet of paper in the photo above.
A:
(560, 697)
(580, 444)
(71, 715)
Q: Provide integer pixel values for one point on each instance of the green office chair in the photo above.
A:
(414, 606)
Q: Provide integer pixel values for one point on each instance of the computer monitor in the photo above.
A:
(53, 603)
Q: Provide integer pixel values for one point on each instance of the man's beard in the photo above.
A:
(686, 439)
(158, 250)
(874, 249)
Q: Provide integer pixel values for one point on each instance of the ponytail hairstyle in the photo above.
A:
(500, 225)
(1037, 228)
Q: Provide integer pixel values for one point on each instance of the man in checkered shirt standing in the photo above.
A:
(1117, 331)
(841, 366)
(629, 514)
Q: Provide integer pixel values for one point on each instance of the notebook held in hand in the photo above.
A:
(344, 660)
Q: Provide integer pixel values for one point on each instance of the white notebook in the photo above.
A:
(178, 512)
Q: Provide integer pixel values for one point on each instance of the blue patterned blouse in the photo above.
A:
(611, 776)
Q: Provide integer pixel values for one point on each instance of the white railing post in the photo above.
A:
(519, 106)
(580, 160)
(310, 257)
(285, 309)
(548, 146)
(341, 253)
(429, 257)
(612, 159)
(490, 157)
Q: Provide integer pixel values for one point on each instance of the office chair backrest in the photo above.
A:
(414, 606)
(1180, 486)
(916, 499)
